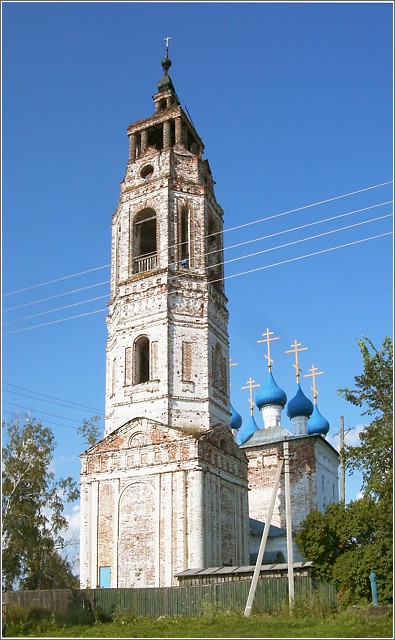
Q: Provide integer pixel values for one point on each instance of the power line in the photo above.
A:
(314, 223)
(45, 420)
(43, 313)
(45, 324)
(220, 279)
(61, 404)
(285, 213)
(308, 255)
(58, 295)
(314, 204)
(250, 255)
(75, 304)
(47, 396)
(42, 284)
(303, 226)
(44, 412)
(288, 244)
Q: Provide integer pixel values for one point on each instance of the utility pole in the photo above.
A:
(342, 470)
(262, 546)
(288, 520)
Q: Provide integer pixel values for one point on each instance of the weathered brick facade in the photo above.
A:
(166, 489)
(313, 469)
(156, 500)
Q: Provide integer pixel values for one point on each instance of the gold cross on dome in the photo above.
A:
(313, 374)
(295, 350)
(251, 386)
(268, 339)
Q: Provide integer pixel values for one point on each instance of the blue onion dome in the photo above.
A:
(300, 405)
(235, 418)
(270, 394)
(246, 432)
(317, 424)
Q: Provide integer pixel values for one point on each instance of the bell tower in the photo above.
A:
(166, 488)
(167, 346)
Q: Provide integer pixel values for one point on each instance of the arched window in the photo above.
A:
(184, 238)
(144, 241)
(141, 360)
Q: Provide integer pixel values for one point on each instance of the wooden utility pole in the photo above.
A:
(342, 470)
(288, 520)
(262, 546)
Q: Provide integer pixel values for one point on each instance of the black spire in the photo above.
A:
(166, 83)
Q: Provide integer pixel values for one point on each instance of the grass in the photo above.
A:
(346, 624)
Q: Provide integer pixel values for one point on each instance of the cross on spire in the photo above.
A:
(167, 44)
(295, 350)
(313, 374)
(251, 386)
(266, 338)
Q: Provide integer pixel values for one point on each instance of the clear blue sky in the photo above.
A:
(294, 104)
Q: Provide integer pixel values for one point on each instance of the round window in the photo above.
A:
(147, 171)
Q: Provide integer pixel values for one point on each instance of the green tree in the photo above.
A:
(374, 394)
(90, 430)
(32, 510)
(348, 542)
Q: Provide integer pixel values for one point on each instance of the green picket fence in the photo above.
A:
(270, 595)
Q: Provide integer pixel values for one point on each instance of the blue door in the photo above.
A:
(105, 577)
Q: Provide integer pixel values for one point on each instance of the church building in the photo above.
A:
(178, 483)
(313, 461)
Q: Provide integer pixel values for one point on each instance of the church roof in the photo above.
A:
(300, 405)
(246, 431)
(270, 393)
(165, 82)
(317, 424)
(265, 436)
(256, 526)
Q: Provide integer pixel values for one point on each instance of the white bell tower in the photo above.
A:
(167, 347)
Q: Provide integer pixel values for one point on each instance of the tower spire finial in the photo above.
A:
(166, 82)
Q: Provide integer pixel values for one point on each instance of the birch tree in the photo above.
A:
(32, 509)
